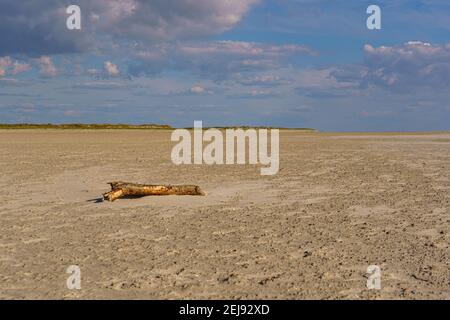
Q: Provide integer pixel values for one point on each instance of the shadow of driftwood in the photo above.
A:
(95, 200)
(99, 200)
(133, 197)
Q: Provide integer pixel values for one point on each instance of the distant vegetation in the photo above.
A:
(255, 127)
(83, 126)
(123, 126)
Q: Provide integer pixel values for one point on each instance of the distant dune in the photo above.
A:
(83, 126)
(254, 127)
(124, 126)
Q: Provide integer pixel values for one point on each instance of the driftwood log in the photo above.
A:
(121, 189)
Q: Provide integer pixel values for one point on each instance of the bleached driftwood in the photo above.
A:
(121, 189)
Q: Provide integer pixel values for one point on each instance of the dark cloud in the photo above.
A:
(39, 27)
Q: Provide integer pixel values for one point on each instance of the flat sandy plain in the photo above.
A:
(339, 203)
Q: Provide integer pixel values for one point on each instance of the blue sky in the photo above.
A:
(289, 63)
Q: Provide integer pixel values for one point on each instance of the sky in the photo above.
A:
(283, 63)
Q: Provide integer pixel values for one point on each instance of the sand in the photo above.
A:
(340, 203)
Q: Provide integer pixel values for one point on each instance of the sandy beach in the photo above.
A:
(339, 203)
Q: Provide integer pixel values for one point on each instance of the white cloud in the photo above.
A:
(413, 65)
(7, 66)
(92, 72)
(46, 67)
(100, 85)
(194, 90)
(110, 69)
(243, 49)
(18, 67)
(197, 90)
(5, 63)
(262, 80)
(217, 59)
(255, 94)
(161, 21)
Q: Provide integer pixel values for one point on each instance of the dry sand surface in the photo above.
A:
(339, 203)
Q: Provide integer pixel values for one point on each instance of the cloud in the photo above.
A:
(155, 36)
(217, 59)
(322, 83)
(46, 67)
(262, 80)
(195, 90)
(18, 67)
(413, 65)
(5, 63)
(242, 48)
(255, 94)
(199, 90)
(93, 72)
(71, 113)
(38, 28)
(110, 69)
(11, 82)
(7, 66)
(100, 85)
(162, 21)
